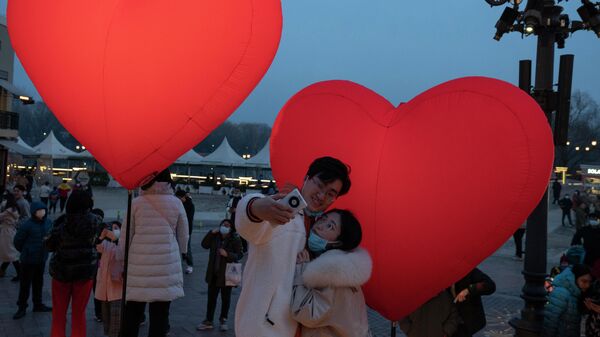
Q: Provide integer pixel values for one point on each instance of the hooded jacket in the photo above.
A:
(562, 315)
(327, 298)
(29, 239)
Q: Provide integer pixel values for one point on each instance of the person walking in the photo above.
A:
(565, 205)
(225, 247)
(8, 229)
(22, 203)
(29, 240)
(63, 193)
(556, 188)
(562, 313)
(190, 211)
(158, 237)
(53, 199)
(73, 264)
(467, 294)
(518, 238)
(45, 193)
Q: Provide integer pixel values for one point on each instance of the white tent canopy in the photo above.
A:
(190, 157)
(262, 158)
(53, 148)
(224, 155)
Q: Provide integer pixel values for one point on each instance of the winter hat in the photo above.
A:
(351, 232)
(180, 193)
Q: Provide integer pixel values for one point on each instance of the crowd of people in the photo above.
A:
(574, 287)
(303, 268)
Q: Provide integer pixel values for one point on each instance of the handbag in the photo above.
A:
(233, 274)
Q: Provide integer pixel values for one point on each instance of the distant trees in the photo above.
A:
(35, 119)
(584, 127)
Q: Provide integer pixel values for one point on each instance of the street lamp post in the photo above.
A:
(544, 19)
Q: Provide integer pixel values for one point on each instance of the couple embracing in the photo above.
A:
(304, 271)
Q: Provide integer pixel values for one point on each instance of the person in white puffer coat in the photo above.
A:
(275, 236)
(158, 237)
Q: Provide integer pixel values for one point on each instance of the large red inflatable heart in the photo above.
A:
(438, 183)
(141, 82)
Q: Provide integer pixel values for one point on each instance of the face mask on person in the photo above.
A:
(117, 234)
(40, 213)
(224, 230)
(317, 244)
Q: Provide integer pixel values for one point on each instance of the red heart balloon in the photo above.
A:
(438, 183)
(141, 82)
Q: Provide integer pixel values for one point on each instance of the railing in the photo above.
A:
(9, 120)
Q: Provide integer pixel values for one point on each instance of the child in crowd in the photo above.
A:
(109, 282)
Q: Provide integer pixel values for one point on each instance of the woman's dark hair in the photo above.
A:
(580, 270)
(329, 169)
(11, 202)
(79, 202)
(163, 176)
(118, 223)
(351, 231)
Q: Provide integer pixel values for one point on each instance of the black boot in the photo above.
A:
(20, 313)
(41, 308)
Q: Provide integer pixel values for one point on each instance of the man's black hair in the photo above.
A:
(329, 169)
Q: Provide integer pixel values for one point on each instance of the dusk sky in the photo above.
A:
(396, 48)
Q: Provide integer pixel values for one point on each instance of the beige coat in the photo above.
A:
(159, 235)
(327, 298)
(8, 230)
(106, 288)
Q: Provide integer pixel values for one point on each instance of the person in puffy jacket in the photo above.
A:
(73, 264)
(9, 219)
(327, 299)
(29, 241)
(158, 237)
(562, 314)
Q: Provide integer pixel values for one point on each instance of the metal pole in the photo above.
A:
(534, 293)
(125, 262)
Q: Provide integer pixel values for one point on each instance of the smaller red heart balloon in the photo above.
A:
(438, 183)
(141, 82)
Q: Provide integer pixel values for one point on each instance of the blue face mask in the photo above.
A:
(317, 244)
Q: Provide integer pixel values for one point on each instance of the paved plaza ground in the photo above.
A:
(188, 312)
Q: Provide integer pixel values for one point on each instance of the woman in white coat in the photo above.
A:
(327, 299)
(158, 237)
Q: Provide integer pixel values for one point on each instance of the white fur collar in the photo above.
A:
(337, 268)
